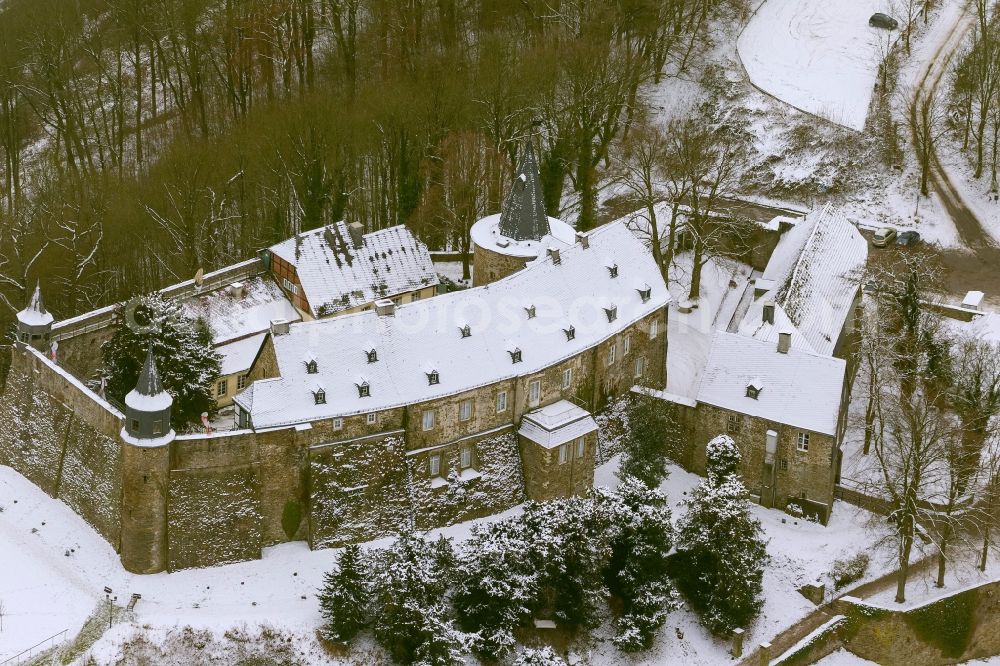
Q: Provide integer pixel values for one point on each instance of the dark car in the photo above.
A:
(908, 238)
(879, 20)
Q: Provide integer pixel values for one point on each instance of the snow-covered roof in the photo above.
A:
(568, 293)
(557, 424)
(149, 394)
(238, 355)
(231, 316)
(801, 389)
(813, 269)
(35, 314)
(337, 275)
(486, 234)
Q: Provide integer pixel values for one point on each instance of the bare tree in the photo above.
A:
(927, 123)
(641, 165)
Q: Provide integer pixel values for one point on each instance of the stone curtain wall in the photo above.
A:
(59, 439)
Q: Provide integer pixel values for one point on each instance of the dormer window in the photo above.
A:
(570, 333)
(613, 270)
(319, 395)
(372, 355)
(531, 311)
(753, 389)
(433, 378)
(645, 292)
(364, 390)
(466, 331)
(515, 355)
(311, 367)
(612, 312)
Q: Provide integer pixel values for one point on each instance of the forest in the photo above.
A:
(145, 139)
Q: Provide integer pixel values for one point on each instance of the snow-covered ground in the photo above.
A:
(818, 56)
(46, 591)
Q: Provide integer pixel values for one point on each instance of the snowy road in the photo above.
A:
(816, 55)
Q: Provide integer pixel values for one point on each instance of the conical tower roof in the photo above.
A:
(35, 314)
(149, 378)
(523, 216)
(149, 394)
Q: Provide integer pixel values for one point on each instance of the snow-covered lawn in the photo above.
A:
(817, 55)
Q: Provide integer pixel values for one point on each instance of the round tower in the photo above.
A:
(506, 242)
(34, 323)
(146, 472)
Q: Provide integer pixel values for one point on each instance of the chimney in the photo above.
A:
(384, 307)
(236, 290)
(784, 342)
(554, 253)
(357, 232)
(279, 326)
(583, 239)
(768, 315)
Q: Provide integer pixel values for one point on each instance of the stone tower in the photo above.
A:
(34, 323)
(147, 437)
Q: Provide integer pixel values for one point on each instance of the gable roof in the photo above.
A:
(429, 332)
(812, 271)
(523, 214)
(337, 274)
(230, 318)
(801, 389)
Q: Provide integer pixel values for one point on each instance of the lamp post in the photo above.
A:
(107, 595)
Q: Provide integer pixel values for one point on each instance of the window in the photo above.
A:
(372, 417)
(135, 425)
(613, 270)
(427, 421)
(612, 353)
(581, 447)
(531, 311)
(222, 388)
(515, 356)
(640, 367)
(534, 392)
(415, 296)
(733, 423)
(157, 427)
(783, 464)
(338, 423)
(241, 382)
(372, 355)
(753, 391)
(567, 378)
(320, 396)
(612, 312)
(654, 328)
(645, 293)
(563, 454)
(466, 457)
(570, 333)
(311, 367)
(627, 347)
(466, 331)
(435, 464)
(465, 410)
(290, 286)
(502, 401)
(433, 378)
(364, 390)
(803, 442)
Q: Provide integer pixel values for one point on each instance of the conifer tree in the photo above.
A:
(651, 438)
(721, 547)
(344, 598)
(545, 656)
(185, 358)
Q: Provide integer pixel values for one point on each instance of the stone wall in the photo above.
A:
(546, 478)
(490, 266)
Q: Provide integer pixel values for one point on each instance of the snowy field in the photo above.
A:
(818, 56)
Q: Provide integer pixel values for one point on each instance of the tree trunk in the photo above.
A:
(699, 251)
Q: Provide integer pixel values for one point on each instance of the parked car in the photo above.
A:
(884, 237)
(908, 238)
(884, 21)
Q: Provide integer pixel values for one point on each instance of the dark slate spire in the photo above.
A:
(149, 378)
(523, 215)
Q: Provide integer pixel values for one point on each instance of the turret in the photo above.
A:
(34, 323)
(147, 407)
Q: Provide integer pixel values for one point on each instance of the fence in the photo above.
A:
(37, 649)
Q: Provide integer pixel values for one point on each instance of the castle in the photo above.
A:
(364, 403)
